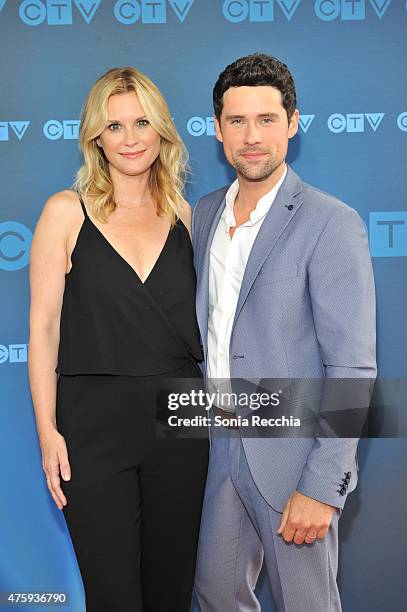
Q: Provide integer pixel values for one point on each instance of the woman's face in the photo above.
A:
(129, 142)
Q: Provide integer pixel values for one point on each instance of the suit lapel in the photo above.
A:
(283, 209)
(215, 210)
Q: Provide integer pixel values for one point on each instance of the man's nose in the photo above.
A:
(252, 134)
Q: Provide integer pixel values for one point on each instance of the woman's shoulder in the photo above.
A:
(62, 206)
(63, 201)
(61, 213)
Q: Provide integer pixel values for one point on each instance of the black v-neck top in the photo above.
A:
(113, 323)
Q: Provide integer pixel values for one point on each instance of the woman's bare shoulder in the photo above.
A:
(64, 202)
(62, 208)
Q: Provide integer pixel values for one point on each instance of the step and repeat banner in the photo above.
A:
(349, 62)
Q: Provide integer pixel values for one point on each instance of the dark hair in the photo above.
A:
(254, 70)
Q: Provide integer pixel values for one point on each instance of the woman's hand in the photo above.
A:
(55, 462)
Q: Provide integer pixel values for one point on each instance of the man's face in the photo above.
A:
(254, 130)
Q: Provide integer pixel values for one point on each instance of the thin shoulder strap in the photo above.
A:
(83, 205)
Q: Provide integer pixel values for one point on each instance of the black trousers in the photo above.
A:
(134, 500)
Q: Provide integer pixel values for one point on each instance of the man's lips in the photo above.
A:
(253, 155)
(132, 155)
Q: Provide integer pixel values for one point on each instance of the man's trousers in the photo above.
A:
(239, 531)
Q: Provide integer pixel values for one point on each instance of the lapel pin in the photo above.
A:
(289, 206)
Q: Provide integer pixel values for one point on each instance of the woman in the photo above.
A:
(112, 312)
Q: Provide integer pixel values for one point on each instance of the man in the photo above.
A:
(285, 289)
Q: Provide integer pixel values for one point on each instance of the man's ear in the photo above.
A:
(293, 125)
(218, 131)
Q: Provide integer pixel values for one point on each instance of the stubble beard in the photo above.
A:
(257, 172)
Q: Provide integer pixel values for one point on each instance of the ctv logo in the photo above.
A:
(68, 129)
(19, 128)
(236, 11)
(201, 126)
(13, 353)
(56, 12)
(348, 10)
(15, 241)
(354, 122)
(60, 12)
(388, 234)
(131, 11)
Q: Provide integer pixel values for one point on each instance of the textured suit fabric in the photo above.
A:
(306, 309)
(239, 531)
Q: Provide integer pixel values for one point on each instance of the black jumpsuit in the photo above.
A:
(134, 498)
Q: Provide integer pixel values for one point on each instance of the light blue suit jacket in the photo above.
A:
(306, 309)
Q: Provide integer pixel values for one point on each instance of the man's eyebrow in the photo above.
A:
(261, 115)
(273, 115)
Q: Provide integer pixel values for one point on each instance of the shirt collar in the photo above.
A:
(262, 207)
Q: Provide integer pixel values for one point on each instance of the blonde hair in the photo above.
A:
(169, 170)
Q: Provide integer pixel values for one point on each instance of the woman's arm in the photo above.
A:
(48, 265)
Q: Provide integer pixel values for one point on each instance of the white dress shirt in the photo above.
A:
(228, 260)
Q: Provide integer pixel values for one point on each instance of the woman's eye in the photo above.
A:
(143, 122)
(113, 127)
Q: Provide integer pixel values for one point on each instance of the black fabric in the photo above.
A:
(112, 323)
(134, 499)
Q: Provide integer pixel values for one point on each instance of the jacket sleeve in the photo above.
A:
(342, 294)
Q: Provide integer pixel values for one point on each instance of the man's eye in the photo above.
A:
(236, 121)
(113, 127)
(268, 120)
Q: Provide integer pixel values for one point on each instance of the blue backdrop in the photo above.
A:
(349, 61)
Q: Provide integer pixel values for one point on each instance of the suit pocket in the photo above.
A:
(272, 275)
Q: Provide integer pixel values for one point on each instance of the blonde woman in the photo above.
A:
(112, 313)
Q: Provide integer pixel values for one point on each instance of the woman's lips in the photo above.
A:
(133, 155)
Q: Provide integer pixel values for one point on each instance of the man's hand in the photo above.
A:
(305, 519)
